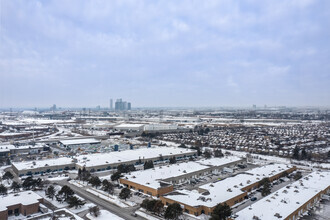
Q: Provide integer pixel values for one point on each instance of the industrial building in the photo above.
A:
(100, 162)
(43, 166)
(10, 150)
(231, 190)
(80, 143)
(160, 180)
(129, 127)
(160, 127)
(108, 161)
(291, 202)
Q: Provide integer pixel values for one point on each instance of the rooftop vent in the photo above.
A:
(278, 215)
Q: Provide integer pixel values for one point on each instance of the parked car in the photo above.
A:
(253, 199)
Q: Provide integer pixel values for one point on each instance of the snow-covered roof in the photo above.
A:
(5, 148)
(269, 170)
(226, 189)
(129, 155)
(80, 141)
(43, 163)
(284, 202)
(129, 126)
(219, 161)
(24, 198)
(151, 177)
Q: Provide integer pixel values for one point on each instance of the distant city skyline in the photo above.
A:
(164, 53)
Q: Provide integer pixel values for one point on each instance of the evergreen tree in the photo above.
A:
(218, 153)
(107, 186)
(221, 212)
(50, 192)
(95, 181)
(79, 173)
(74, 201)
(266, 189)
(148, 164)
(3, 190)
(29, 183)
(158, 207)
(303, 154)
(94, 211)
(296, 153)
(8, 175)
(207, 154)
(172, 160)
(116, 176)
(173, 211)
(15, 186)
(66, 192)
(125, 193)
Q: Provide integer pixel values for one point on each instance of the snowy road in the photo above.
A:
(121, 212)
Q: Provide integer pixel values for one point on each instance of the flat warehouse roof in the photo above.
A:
(269, 170)
(92, 160)
(129, 125)
(219, 161)
(151, 177)
(226, 189)
(43, 163)
(287, 200)
(80, 141)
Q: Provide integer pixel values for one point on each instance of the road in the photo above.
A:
(125, 213)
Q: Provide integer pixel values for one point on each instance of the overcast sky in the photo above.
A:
(165, 53)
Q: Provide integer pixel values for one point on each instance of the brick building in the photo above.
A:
(291, 202)
(160, 180)
(24, 203)
(231, 190)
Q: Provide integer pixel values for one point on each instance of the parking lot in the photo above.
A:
(319, 212)
(211, 178)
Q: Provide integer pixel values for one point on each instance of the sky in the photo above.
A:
(165, 53)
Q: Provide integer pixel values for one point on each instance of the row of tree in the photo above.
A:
(174, 210)
(66, 194)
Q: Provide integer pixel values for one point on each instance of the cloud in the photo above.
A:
(165, 53)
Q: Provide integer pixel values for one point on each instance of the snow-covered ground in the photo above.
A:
(112, 199)
(82, 208)
(104, 215)
(58, 178)
(143, 214)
